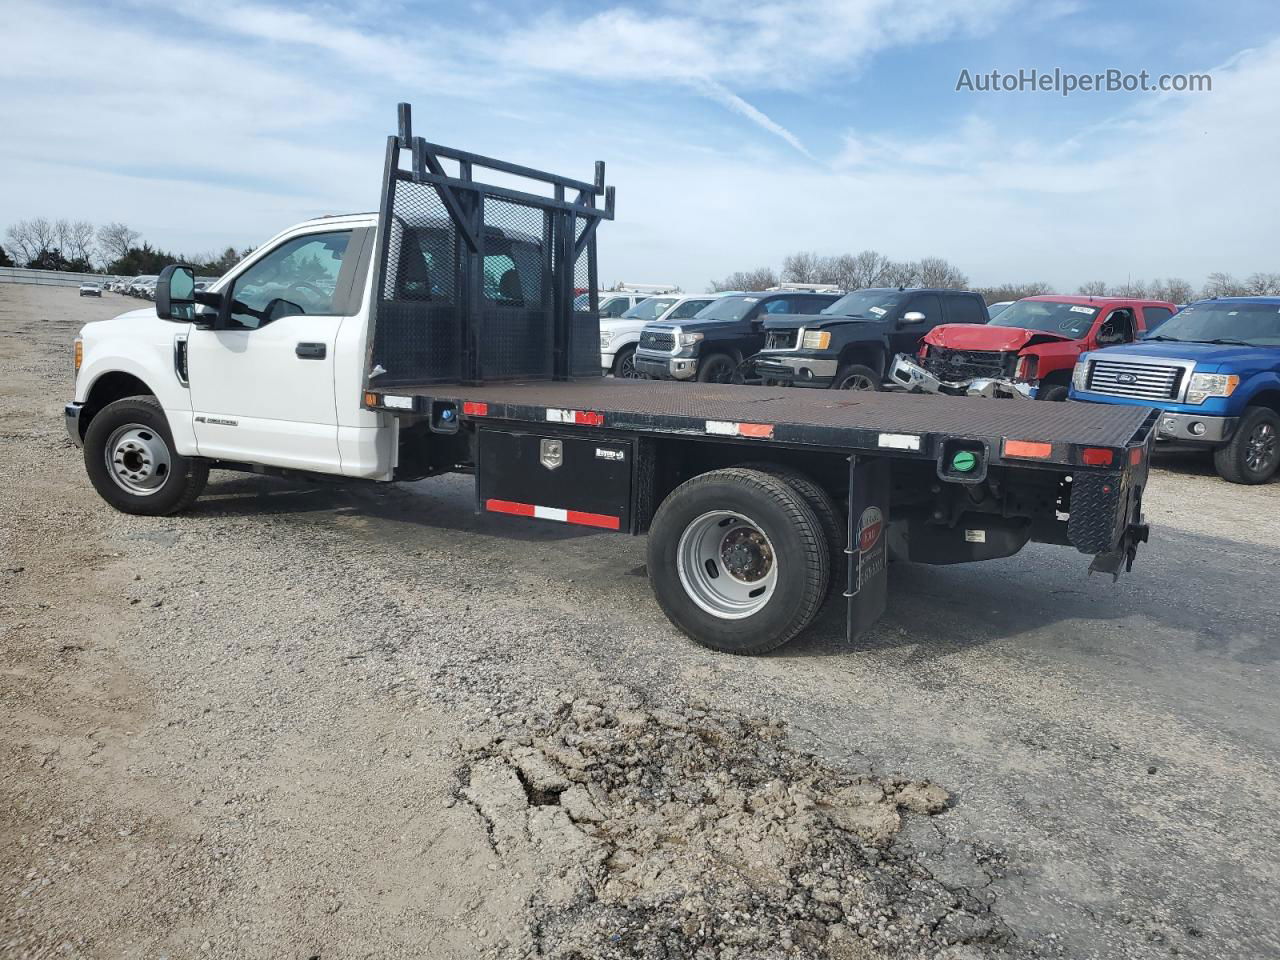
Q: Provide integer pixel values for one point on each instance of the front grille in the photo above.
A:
(781, 339)
(946, 364)
(1142, 381)
(656, 340)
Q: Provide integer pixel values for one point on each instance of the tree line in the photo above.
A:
(870, 268)
(113, 248)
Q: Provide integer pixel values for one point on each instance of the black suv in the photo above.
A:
(849, 345)
(712, 345)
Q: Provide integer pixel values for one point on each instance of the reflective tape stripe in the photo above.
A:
(588, 418)
(580, 517)
(728, 428)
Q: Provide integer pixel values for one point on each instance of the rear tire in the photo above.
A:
(738, 560)
(717, 368)
(830, 518)
(1253, 454)
(131, 461)
(855, 376)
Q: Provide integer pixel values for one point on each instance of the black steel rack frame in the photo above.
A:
(479, 283)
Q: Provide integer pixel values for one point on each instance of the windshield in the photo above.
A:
(727, 308)
(650, 309)
(1253, 324)
(870, 304)
(1065, 319)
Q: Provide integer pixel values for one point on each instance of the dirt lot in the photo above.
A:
(311, 721)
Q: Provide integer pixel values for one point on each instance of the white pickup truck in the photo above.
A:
(443, 335)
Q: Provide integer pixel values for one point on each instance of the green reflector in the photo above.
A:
(963, 462)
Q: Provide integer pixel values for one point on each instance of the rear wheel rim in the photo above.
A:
(138, 459)
(727, 565)
(856, 381)
(1262, 448)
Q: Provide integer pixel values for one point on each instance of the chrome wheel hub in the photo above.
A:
(727, 565)
(138, 460)
(1260, 454)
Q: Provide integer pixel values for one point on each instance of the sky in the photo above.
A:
(735, 133)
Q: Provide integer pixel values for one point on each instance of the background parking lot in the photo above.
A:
(239, 730)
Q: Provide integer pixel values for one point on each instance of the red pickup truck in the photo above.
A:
(1028, 349)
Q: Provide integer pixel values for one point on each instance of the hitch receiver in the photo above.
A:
(1124, 552)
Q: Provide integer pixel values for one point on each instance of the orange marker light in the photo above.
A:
(1028, 449)
(1097, 456)
(79, 353)
(370, 399)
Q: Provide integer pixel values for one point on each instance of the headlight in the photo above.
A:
(1080, 375)
(1206, 385)
(79, 353)
(605, 340)
(688, 339)
(816, 339)
(1026, 367)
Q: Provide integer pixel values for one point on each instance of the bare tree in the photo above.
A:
(761, 278)
(79, 241)
(900, 273)
(1174, 289)
(940, 273)
(1221, 284)
(858, 271)
(115, 240)
(1014, 291)
(1263, 284)
(1133, 289)
(803, 267)
(26, 239)
(1093, 288)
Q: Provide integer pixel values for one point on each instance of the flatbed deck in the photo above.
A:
(887, 423)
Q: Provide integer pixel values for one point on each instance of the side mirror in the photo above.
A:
(175, 293)
(913, 317)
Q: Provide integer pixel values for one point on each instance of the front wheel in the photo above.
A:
(738, 560)
(717, 368)
(855, 376)
(624, 365)
(1054, 393)
(131, 461)
(1253, 455)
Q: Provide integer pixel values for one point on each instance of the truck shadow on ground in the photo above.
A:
(248, 495)
(1196, 585)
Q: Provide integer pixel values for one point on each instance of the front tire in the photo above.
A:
(131, 461)
(855, 376)
(717, 368)
(1054, 393)
(624, 365)
(1253, 454)
(738, 560)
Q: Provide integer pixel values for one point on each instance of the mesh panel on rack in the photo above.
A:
(418, 328)
(586, 323)
(516, 332)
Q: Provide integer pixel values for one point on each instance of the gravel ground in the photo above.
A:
(316, 721)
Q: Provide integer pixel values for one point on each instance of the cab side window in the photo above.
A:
(1154, 316)
(964, 309)
(929, 305)
(687, 309)
(1117, 328)
(299, 277)
(781, 305)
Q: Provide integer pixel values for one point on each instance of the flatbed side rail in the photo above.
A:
(477, 282)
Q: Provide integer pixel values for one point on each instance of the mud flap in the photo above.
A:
(867, 551)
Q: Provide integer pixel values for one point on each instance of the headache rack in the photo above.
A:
(475, 282)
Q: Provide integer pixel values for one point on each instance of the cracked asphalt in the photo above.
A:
(241, 731)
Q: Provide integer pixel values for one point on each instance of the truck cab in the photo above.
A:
(713, 344)
(849, 344)
(1029, 349)
(1213, 372)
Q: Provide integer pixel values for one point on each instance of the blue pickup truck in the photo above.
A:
(1213, 370)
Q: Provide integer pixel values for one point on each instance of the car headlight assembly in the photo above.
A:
(605, 340)
(816, 339)
(1080, 376)
(688, 339)
(1206, 385)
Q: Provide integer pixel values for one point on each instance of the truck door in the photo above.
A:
(262, 390)
(1118, 326)
(905, 337)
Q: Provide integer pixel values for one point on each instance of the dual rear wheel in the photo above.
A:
(741, 559)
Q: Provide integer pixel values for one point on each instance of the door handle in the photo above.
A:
(311, 351)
